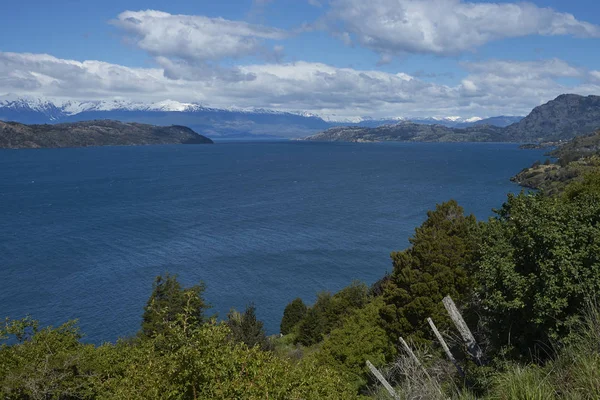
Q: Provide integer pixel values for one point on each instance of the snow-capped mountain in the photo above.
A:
(214, 122)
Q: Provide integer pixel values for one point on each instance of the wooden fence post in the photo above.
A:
(445, 347)
(472, 346)
(383, 381)
(410, 352)
(416, 360)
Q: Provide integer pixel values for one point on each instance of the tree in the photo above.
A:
(538, 265)
(312, 328)
(433, 267)
(246, 328)
(292, 315)
(168, 300)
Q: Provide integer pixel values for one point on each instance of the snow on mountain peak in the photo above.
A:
(55, 108)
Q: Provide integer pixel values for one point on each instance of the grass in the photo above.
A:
(572, 374)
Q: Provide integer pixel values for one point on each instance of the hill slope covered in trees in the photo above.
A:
(576, 159)
(94, 133)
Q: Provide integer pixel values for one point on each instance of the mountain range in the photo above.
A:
(212, 122)
(560, 119)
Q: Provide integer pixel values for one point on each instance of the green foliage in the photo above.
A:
(294, 312)
(538, 263)
(433, 267)
(328, 311)
(574, 164)
(43, 364)
(358, 339)
(184, 361)
(246, 328)
(169, 299)
(590, 185)
(203, 363)
(312, 328)
(522, 383)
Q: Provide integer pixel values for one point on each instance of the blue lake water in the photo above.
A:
(83, 232)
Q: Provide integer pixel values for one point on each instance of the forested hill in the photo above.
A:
(560, 119)
(411, 132)
(14, 135)
(576, 159)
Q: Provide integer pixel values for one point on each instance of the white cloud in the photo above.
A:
(526, 69)
(446, 27)
(489, 88)
(193, 37)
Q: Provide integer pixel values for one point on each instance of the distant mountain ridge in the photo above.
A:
(14, 135)
(411, 132)
(213, 122)
(560, 119)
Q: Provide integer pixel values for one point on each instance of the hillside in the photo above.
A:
(14, 135)
(560, 119)
(410, 132)
(576, 159)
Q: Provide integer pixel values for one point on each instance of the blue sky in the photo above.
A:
(340, 58)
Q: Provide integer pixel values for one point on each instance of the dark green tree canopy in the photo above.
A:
(292, 315)
(539, 263)
(433, 267)
(329, 310)
(246, 328)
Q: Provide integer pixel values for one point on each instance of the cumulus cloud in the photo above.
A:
(488, 88)
(445, 27)
(194, 37)
(48, 75)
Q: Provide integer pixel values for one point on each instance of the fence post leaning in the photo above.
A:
(445, 347)
(472, 346)
(383, 381)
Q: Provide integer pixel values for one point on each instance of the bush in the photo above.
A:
(358, 339)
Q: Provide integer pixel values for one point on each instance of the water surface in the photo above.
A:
(84, 231)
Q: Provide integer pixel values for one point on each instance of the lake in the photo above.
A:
(83, 232)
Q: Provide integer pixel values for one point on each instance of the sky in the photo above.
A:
(335, 58)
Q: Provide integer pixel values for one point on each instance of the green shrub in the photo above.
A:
(358, 339)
